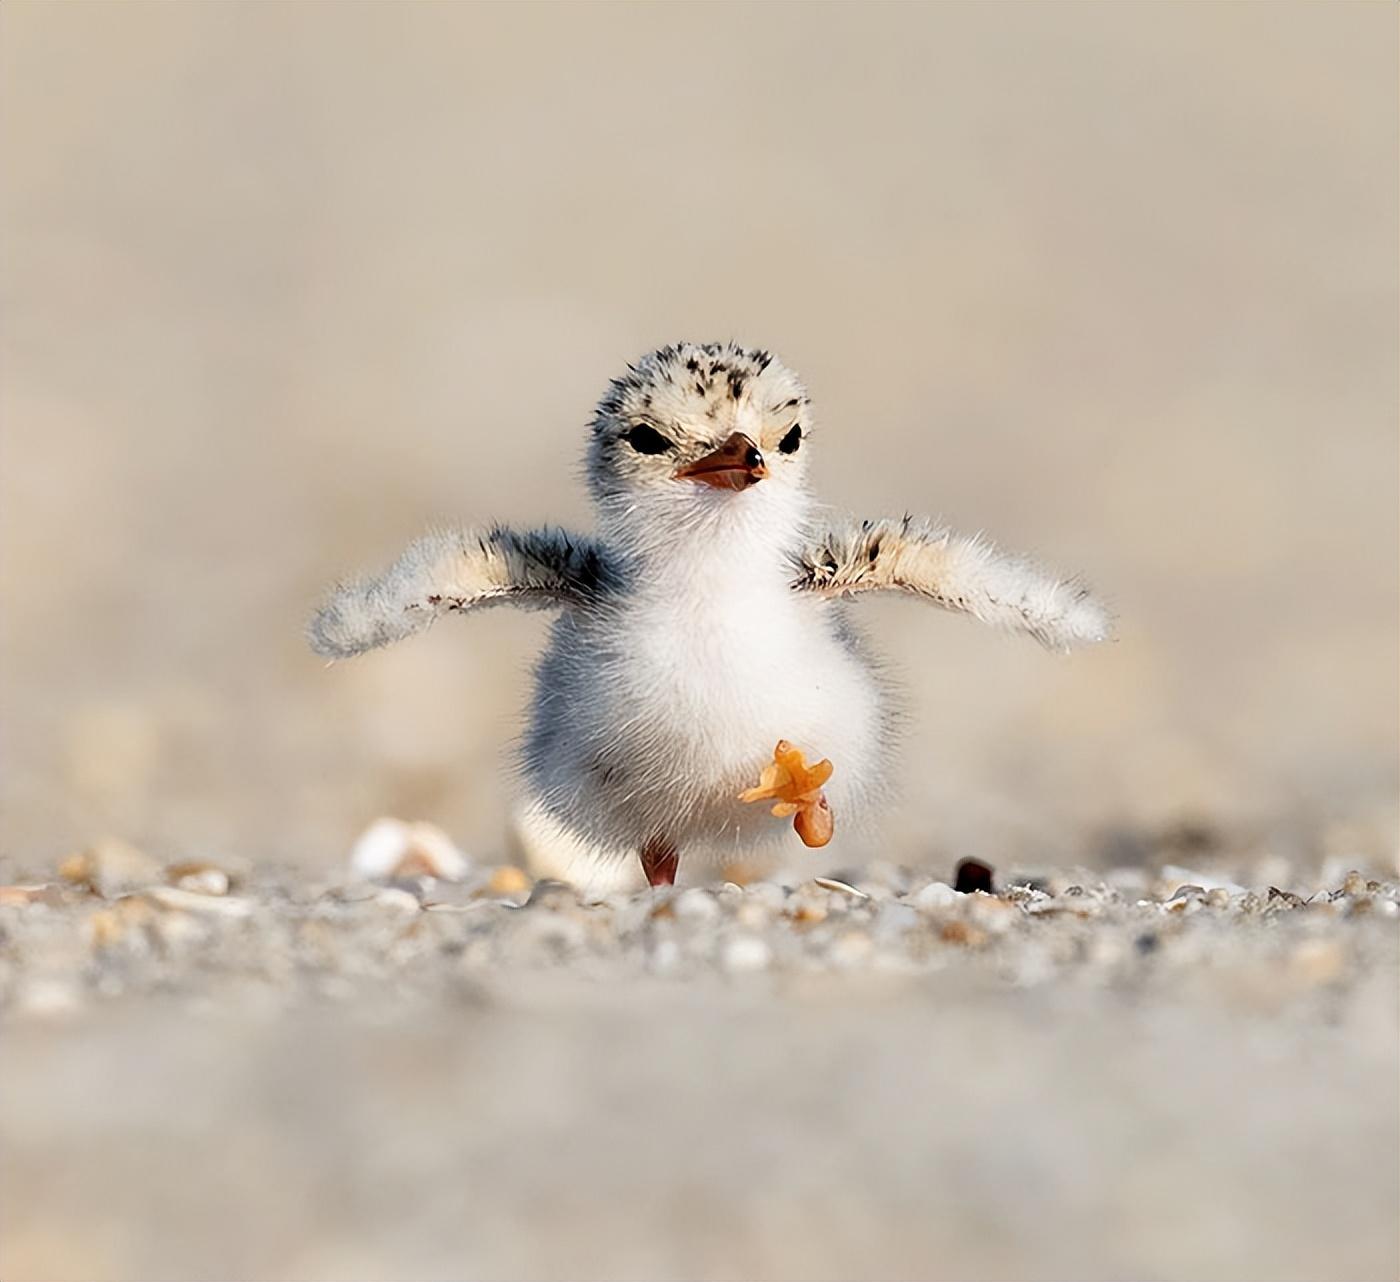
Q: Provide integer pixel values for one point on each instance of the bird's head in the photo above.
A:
(699, 436)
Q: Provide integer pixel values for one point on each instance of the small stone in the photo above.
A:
(1318, 961)
(696, 905)
(22, 896)
(396, 900)
(840, 887)
(936, 895)
(973, 875)
(49, 999)
(1173, 877)
(993, 915)
(1188, 891)
(850, 948)
(508, 882)
(553, 896)
(894, 921)
(754, 914)
(201, 879)
(545, 936)
(962, 932)
(1282, 900)
(743, 954)
(1354, 885)
(111, 867)
(768, 893)
(104, 928)
(809, 905)
(392, 848)
(665, 956)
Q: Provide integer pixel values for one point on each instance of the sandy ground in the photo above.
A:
(1086, 1077)
(1117, 284)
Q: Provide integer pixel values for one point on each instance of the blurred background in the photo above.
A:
(285, 283)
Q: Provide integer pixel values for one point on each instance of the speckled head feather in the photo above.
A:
(679, 403)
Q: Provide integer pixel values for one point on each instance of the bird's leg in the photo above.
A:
(796, 788)
(660, 859)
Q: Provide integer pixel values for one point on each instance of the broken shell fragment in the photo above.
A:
(201, 879)
(393, 848)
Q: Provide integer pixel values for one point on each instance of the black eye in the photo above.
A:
(789, 443)
(647, 440)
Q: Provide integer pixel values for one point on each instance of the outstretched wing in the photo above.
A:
(969, 575)
(455, 572)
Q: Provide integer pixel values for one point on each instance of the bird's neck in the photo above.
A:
(726, 544)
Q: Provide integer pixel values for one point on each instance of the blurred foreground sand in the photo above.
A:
(1131, 1079)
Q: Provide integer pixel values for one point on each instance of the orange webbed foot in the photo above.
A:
(796, 789)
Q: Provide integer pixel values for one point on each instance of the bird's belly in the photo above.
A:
(693, 714)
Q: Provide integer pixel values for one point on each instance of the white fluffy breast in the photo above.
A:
(654, 712)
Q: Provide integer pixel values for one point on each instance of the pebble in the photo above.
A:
(553, 896)
(753, 914)
(373, 933)
(396, 900)
(508, 882)
(111, 867)
(1318, 961)
(49, 998)
(744, 954)
(202, 879)
(696, 905)
(809, 905)
(768, 893)
(1172, 877)
(23, 896)
(1354, 885)
(392, 848)
(895, 921)
(936, 895)
(850, 948)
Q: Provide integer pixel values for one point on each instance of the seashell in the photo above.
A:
(392, 848)
(195, 902)
(841, 887)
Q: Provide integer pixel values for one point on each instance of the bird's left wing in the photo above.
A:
(455, 572)
(957, 572)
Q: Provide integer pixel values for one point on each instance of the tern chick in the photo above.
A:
(701, 645)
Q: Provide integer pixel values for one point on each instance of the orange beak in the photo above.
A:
(736, 465)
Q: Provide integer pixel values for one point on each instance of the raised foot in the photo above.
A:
(796, 787)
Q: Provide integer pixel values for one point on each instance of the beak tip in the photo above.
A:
(736, 465)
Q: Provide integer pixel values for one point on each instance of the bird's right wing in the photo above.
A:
(455, 572)
(958, 572)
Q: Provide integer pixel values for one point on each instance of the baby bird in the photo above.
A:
(703, 624)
